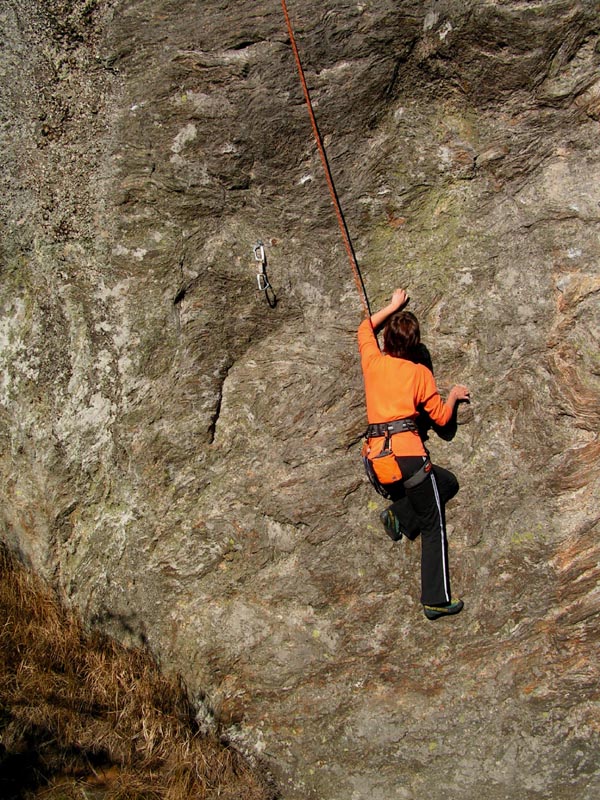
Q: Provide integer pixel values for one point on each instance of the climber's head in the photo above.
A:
(401, 335)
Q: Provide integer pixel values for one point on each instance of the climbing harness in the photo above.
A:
(262, 279)
(334, 197)
(383, 468)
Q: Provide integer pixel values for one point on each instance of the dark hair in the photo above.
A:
(401, 335)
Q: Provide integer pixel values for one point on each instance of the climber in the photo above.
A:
(395, 386)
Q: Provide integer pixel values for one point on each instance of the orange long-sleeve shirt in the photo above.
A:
(394, 387)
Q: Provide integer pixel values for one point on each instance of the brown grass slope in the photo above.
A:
(83, 717)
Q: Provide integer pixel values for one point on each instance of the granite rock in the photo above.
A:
(182, 460)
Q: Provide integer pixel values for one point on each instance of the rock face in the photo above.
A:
(182, 460)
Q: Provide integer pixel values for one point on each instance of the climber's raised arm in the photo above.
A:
(399, 300)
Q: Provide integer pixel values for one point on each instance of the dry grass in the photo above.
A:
(82, 717)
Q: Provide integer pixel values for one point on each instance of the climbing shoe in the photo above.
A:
(391, 524)
(434, 612)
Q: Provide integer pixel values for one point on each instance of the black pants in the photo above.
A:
(421, 509)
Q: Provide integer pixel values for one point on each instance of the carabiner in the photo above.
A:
(259, 254)
(263, 282)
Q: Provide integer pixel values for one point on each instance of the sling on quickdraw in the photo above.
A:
(336, 203)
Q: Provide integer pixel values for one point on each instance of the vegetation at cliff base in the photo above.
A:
(82, 717)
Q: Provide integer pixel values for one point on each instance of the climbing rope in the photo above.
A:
(334, 197)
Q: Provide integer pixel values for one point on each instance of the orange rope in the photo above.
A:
(336, 203)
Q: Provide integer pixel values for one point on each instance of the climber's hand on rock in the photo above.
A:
(399, 299)
(459, 392)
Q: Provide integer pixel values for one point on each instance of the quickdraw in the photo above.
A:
(262, 279)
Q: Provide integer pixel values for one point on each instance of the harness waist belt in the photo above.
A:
(390, 428)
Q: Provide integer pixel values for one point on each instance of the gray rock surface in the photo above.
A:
(183, 460)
